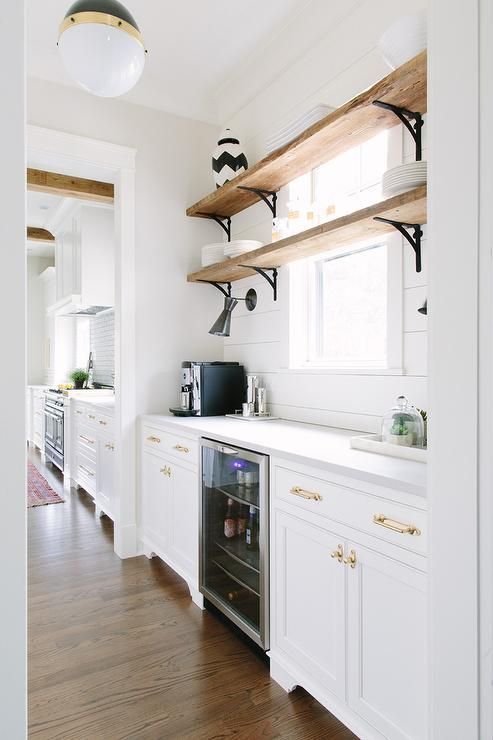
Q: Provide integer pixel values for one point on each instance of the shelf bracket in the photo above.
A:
(271, 280)
(414, 240)
(223, 221)
(264, 195)
(219, 286)
(406, 116)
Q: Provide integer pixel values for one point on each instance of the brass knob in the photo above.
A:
(351, 559)
(339, 553)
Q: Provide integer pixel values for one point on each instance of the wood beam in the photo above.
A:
(40, 181)
(35, 234)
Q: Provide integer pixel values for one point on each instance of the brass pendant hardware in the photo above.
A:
(351, 559)
(384, 521)
(152, 438)
(104, 19)
(166, 471)
(180, 448)
(309, 495)
(339, 553)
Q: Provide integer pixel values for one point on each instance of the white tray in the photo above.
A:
(373, 443)
(266, 417)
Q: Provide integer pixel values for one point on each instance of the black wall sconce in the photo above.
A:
(222, 326)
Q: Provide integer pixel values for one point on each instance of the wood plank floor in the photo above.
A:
(117, 650)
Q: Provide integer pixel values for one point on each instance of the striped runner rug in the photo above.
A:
(39, 492)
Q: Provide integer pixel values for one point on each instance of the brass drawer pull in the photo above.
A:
(104, 423)
(86, 439)
(91, 416)
(351, 559)
(152, 438)
(180, 448)
(78, 412)
(310, 495)
(86, 471)
(384, 521)
(339, 553)
(166, 471)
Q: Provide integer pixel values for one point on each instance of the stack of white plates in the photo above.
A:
(240, 246)
(212, 253)
(404, 39)
(404, 177)
(294, 129)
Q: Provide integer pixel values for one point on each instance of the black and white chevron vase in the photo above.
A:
(228, 159)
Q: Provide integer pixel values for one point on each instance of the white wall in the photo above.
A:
(172, 171)
(13, 378)
(102, 346)
(342, 64)
(36, 319)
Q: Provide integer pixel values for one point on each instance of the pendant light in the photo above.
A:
(101, 47)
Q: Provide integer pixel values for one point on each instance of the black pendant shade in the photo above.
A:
(110, 7)
(222, 325)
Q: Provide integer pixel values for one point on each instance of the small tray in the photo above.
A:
(373, 443)
(253, 417)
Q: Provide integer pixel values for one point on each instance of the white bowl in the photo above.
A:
(404, 39)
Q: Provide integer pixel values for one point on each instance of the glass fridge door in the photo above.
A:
(234, 547)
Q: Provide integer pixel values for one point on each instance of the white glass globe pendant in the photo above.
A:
(101, 47)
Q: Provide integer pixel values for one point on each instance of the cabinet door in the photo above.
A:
(155, 493)
(183, 518)
(308, 591)
(106, 475)
(387, 667)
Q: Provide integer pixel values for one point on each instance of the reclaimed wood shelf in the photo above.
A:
(350, 125)
(408, 207)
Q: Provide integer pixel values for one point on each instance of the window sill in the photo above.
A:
(341, 371)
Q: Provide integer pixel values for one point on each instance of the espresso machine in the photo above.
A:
(210, 388)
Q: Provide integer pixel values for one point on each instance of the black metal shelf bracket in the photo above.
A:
(223, 221)
(414, 240)
(219, 286)
(264, 195)
(271, 280)
(406, 116)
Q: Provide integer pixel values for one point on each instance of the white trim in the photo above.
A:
(115, 164)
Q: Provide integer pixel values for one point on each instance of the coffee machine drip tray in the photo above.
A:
(183, 412)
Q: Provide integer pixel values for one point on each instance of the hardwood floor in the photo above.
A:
(117, 650)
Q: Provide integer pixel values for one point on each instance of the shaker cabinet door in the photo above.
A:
(387, 667)
(182, 518)
(154, 495)
(309, 596)
(106, 476)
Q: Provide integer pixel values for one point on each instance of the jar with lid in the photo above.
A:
(403, 425)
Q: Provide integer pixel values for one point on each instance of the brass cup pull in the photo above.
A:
(86, 439)
(310, 495)
(152, 438)
(166, 471)
(109, 446)
(351, 559)
(181, 448)
(384, 521)
(339, 553)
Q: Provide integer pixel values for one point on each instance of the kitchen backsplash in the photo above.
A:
(102, 345)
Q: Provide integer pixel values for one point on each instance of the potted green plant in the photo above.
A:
(79, 377)
(400, 432)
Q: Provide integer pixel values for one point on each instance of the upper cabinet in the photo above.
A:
(84, 258)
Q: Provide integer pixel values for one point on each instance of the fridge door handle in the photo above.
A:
(227, 450)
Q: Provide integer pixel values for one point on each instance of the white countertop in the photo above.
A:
(306, 443)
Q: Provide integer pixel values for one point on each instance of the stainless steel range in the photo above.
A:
(54, 427)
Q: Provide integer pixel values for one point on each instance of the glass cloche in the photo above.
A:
(403, 425)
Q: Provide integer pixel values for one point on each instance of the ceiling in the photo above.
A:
(194, 47)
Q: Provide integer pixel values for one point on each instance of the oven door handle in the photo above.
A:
(57, 417)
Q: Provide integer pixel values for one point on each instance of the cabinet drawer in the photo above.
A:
(86, 473)
(86, 442)
(169, 444)
(393, 522)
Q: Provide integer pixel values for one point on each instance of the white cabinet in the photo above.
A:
(310, 586)
(35, 399)
(348, 605)
(168, 503)
(386, 639)
(105, 476)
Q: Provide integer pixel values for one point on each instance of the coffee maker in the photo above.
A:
(210, 388)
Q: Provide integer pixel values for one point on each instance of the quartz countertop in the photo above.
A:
(324, 447)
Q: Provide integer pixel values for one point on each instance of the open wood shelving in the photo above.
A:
(408, 207)
(350, 125)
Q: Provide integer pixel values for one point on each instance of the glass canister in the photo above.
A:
(403, 425)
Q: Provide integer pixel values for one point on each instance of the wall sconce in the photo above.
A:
(222, 325)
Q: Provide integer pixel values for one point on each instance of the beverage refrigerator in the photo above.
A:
(234, 546)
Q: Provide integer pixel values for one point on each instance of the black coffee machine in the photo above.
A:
(210, 388)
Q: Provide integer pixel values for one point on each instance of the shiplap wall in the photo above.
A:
(354, 401)
(102, 345)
